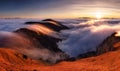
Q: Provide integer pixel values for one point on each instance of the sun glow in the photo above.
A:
(98, 15)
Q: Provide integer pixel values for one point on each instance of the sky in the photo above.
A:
(59, 8)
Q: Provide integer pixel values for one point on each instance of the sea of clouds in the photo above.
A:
(84, 37)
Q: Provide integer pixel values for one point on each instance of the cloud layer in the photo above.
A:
(85, 37)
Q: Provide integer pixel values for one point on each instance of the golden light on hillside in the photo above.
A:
(118, 33)
(40, 29)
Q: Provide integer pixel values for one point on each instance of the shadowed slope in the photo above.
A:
(108, 44)
(111, 43)
(40, 39)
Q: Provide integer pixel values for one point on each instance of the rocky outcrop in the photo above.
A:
(108, 44)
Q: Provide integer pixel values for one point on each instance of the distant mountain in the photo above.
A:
(49, 23)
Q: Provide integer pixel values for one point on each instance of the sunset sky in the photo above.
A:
(59, 8)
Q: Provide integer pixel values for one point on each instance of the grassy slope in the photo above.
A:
(10, 60)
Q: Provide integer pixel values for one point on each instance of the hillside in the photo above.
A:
(12, 61)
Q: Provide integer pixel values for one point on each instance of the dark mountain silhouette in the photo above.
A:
(57, 22)
(52, 24)
(40, 39)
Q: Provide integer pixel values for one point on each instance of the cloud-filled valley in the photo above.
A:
(86, 36)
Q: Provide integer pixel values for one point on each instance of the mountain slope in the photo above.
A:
(11, 60)
(105, 62)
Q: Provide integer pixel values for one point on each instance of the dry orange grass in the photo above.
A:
(10, 60)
